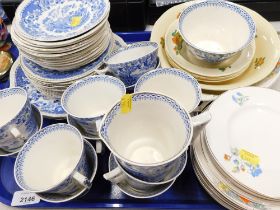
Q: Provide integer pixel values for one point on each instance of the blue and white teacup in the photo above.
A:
(53, 160)
(17, 122)
(129, 63)
(119, 174)
(88, 100)
(175, 83)
(148, 140)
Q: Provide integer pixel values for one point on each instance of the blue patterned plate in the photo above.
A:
(49, 108)
(61, 76)
(55, 20)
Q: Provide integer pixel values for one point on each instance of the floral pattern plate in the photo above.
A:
(55, 20)
(177, 50)
(218, 186)
(243, 138)
(263, 63)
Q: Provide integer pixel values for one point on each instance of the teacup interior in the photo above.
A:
(151, 133)
(130, 54)
(176, 87)
(51, 159)
(93, 99)
(11, 105)
(215, 29)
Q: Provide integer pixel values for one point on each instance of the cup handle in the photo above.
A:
(115, 176)
(208, 97)
(16, 133)
(98, 146)
(201, 119)
(199, 122)
(102, 71)
(82, 180)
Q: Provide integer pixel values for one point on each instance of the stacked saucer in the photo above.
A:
(52, 83)
(62, 36)
(234, 156)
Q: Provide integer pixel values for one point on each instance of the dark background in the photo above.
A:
(134, 15)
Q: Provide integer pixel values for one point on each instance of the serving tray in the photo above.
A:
(186, 193)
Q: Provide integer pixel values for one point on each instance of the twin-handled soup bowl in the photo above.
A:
(53, 160)
(215, 30)
(148, 140)
(129, 63)
(88, 100)
(17, 122)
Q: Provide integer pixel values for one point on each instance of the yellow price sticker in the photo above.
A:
(126, 103)
(249, 157)
(75, 21)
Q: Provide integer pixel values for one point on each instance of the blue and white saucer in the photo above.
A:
(55, 20)
(128, 190)
(49, 108)
(93, 162)
(47, 75)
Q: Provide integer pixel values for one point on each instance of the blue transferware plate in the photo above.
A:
(61, 76)
(56, 20)
(50, 108)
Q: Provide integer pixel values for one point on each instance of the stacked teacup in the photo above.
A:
(56, 163)
(19, 120)
(149, 137)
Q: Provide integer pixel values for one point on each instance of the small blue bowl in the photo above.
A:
(131, 62)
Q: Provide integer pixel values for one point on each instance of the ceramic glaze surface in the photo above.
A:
(48, 107)
(247, 127)
(50, 155)
(11, 103)
(130, 54)
(93, 96)
(59, 19)
(149, 138)
(17, 118)
(130, 71)
(173, 83)
(213, 37)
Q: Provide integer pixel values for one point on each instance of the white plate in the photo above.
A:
(243, 137)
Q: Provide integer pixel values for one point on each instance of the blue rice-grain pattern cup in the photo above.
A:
(131, 62)
(215, 30)
(53, 161)
(17, 122)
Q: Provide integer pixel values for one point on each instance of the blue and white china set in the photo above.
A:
(120, 96)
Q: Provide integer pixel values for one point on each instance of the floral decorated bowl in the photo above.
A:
(215, 30)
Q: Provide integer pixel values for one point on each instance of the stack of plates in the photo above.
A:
(50, 107)
(53, 83)
(253, 65)
(62, 36)
(234, 157)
